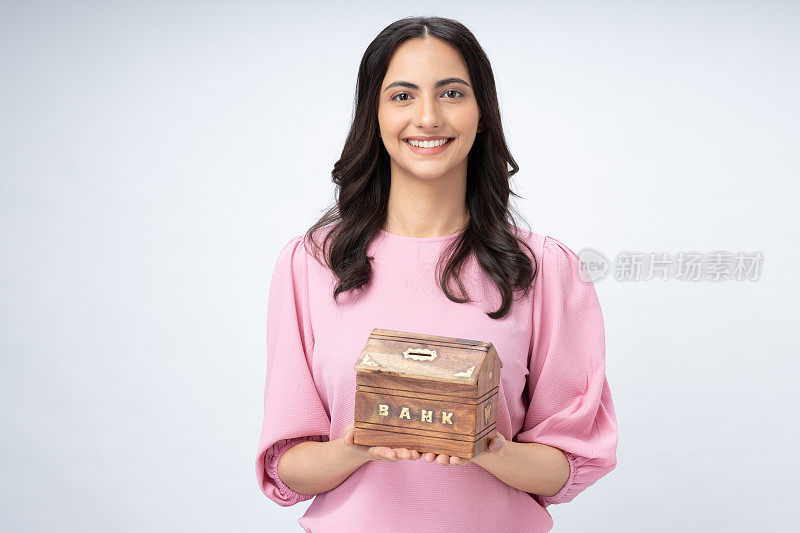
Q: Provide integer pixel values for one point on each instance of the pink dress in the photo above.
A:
(553, 387)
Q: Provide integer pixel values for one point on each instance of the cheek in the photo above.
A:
(466, 124)
(389, 124)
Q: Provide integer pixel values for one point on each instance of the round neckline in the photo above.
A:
(419, 239)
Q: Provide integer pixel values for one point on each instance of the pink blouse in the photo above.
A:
(553, 388)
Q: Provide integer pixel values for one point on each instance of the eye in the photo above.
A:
(399, 94)
(453, 91)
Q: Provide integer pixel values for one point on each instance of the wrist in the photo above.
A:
(350, 454)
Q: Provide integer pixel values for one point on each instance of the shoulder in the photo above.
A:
(559, 252)
(534, 240)
(301, 251)
(291, 251)
(566, 278)
(544, 242)
(556, 260)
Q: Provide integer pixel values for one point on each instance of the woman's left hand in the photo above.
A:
(497, 445)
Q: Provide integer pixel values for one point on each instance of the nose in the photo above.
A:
(428, 112)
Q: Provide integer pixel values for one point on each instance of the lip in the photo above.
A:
(428, 151)
(423, 138)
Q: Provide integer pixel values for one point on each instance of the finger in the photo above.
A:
(413, 455)
(383, 452)
(503, 447)
(429, 457)
(443, 459)
(402, 453)
(390, 454)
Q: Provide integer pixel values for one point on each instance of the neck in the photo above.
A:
(427, 207)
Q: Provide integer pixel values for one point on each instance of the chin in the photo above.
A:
(428, 175)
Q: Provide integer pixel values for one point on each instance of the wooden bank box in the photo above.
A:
(426, 393)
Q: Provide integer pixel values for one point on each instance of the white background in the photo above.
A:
(155, 156)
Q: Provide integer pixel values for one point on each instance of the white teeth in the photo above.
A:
(427, 144)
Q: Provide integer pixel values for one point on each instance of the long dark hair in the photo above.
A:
(362, 177)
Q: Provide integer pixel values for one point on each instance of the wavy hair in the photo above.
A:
(362, 178)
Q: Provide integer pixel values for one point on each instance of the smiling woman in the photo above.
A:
(438, 104)
(422, 200)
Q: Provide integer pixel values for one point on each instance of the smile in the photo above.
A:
(428, 147)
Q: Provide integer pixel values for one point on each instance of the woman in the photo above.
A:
(422, 205)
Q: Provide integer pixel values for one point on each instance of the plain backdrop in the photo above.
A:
(155, 156)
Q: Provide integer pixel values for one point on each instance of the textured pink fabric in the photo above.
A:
(553, 387)
(285, 495)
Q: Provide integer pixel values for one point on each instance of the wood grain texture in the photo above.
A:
(425, 392)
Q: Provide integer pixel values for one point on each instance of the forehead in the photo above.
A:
(425, 61)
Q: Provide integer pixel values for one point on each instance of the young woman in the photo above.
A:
(422, 205)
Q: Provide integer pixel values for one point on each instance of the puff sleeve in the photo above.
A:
(293, 410)
(569, 399)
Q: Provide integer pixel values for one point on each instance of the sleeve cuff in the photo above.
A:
(565, 494)
(285, 495)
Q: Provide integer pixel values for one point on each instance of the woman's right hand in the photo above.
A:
(376, 453)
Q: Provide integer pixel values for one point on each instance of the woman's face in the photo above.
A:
(427, 93)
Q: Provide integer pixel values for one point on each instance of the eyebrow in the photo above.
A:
(440, 83)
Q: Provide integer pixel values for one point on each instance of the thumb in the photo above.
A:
(498, 444)
(348, 435)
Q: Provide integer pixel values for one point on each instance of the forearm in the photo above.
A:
(528, 466)
(312, 467)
